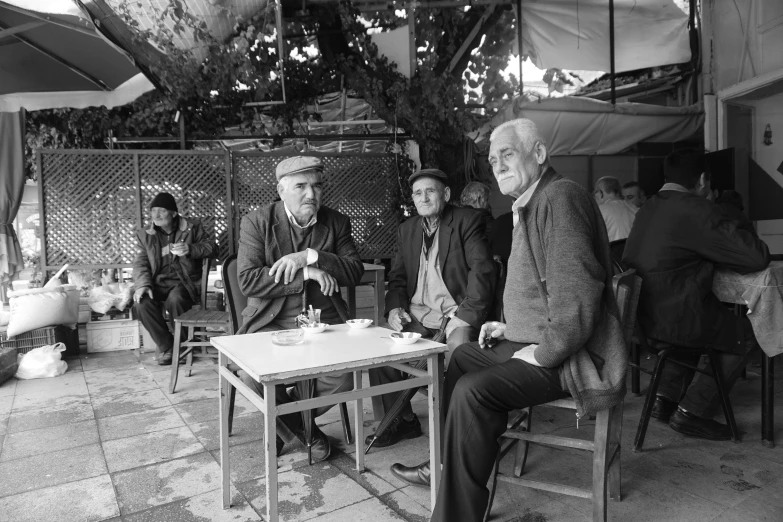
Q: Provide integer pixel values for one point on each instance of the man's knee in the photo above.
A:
(467, 389)
(145, 308)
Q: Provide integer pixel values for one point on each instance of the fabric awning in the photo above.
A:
(581, 126)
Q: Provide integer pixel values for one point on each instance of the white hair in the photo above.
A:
(525, 129)
(609, 184)
(472, 192)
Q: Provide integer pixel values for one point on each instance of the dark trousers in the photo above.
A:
(481, 388)
(175, 300)
(387, 374)
(328, 385)
(699, 395)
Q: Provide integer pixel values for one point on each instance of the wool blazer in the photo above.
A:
(465, 261)
(265, 237)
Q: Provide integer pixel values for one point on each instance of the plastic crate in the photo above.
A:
(42, 337)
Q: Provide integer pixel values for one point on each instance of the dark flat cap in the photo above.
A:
(429, 173)
(298, 165)
(164, 200)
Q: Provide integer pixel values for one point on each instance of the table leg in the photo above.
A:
(225, 463)
(358, 422)
(270, 447)
(767, 401)
(380, 296)
(435, 370)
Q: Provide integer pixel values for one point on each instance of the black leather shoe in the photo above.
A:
(415, 476)
(694, 426)
(399, 429)
(663, 408)
(164, 359)
(321, 449)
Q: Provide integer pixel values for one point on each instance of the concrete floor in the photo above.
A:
(106, 441)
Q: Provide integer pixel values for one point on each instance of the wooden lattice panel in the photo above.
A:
(362, 186)
(197, 180)
(89, 206)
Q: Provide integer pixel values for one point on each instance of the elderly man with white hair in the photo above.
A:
(618, 214)
(291, 252)
(562, 337)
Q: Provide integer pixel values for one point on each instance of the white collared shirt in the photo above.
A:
(312, 255)
(523, 200)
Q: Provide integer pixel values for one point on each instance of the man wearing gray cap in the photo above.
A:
(442, 272)
(293, 252)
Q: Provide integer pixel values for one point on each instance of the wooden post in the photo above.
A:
(519, 45)
(182, 144)
(412, 37)
(611, 47)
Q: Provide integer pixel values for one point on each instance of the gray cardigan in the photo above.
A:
(559, 293)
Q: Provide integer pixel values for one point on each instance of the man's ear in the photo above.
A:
(541, 153)
(447, 193)
(280, 190)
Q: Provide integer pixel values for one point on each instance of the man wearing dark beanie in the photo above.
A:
(167, 270)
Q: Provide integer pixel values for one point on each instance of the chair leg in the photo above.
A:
(346, 423)
(523, 446)
(635, 371)
(231, 402)
(724, 396)
(614, 478)
(600, 456)
(175, 356)
(650, 399)
(191, 337)
(493, 487)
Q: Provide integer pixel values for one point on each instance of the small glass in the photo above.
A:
(288, 337)
(314, 316)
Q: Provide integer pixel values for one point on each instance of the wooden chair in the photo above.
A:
(608, 429)
(196, 322)
(236, 302)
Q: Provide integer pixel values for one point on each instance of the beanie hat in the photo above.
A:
(164, 200)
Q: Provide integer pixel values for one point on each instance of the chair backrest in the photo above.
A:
(206, 265)
(627, 287)
(616, 248)
(497, 306)
(234, 296)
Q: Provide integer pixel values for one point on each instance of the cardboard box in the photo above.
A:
(110, 336)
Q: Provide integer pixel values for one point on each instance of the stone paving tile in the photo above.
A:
(247, 461)
(3, 423)
(414, 452)
(101, 361)
(5, 404)
(200, 508)
(368, 480)
(245, 429)
(50, 469)
(50, 399)
(405, 506)
(119, 381)
(307, 492)
(162, 375)
(150, 448)
(142, 488)
(74, 365)
(199, 411)
(81, 501)
(47, 440)
(190, 391)
(114, 405)
(61, 384)
(30, 419)
(765, 504)
(8, 387)
(140, 422)
(552, 511)
(370, 510)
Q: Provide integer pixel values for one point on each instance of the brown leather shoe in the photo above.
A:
(694, 426)
(416, 476)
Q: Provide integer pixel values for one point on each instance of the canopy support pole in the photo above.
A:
(611, 47)
(519, 46)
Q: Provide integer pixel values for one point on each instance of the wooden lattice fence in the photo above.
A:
(93, 201)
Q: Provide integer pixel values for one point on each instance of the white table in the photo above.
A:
(337, 350)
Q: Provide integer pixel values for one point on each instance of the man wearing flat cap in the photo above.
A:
(442, 273)
(167, 270)
(295, 253)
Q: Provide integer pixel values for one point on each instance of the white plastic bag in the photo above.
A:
(42, 362)
(117, 295)
(40, 307)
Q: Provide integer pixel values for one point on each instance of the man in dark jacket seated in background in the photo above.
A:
(678, 239)
(167, 270)
(561, 317)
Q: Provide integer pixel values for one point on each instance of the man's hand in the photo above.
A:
(491, 333)
(327, 281)
(287, 266)
(139, 293)
(454, 323)
(397, 318)
(180, 249)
